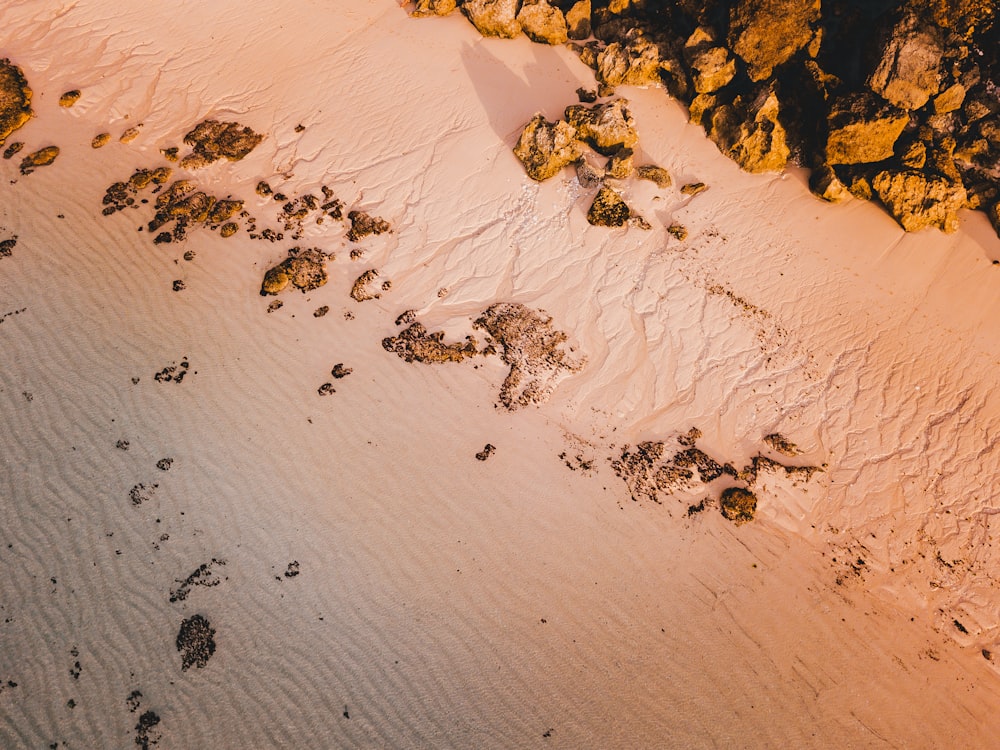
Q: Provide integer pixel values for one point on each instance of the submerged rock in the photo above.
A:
(544, 147)
(766, 33)
(918, 200)
(608, 209)
(493, 17)
(543, 23)
(532, 348)
(863, 129)
(606, 127)
(15, 99)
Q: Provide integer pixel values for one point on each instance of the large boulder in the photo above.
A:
(863, 129)
(546, 147)
(918, 200)
(909, 72)
(766, 33)
(635, 61)
(753, 136)
(543, 23)
(493, 17)
(606, 127)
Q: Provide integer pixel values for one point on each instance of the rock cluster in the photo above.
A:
(895, 101)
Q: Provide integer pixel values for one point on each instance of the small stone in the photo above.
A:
(100, 140)
(608, 209)
(339, 371)
(69, 98)
(587, 96)
(41, 158)
(655, 174)
(693, 188)
(434, 7)
(319, 312)
(486, 452)
(678, 231)
(12, 149)
(130, 134)
(178, 285)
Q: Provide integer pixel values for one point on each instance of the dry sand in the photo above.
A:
(368, 582)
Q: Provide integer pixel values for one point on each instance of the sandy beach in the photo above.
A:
(237, 519)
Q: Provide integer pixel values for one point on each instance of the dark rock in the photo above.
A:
(608, 209)
(737, 504)
(15, 99)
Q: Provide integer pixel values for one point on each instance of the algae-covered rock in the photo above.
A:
(304, 269)
(766, 33)
(15, 99)
(918, 200)
(635, 61)
(737, 504)
(43, 157)
(863, 129)
(578, 20)
(754, 138)
(493, 17)
(544, 147)
(213, 140)
(542, 22)
(909, 72)
(606, 127)
(608, 209)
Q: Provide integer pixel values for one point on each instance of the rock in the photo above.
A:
(196, 642)
(606, 127)
(701, 107)
(578, 20)
(825, 184)
(655, 174)
(915, 155)
(620, 166)
(363, 224)
(415, 344)
(909, 72)
(756, 140)
(544, 147)
(15, 99)
(918, 200)
(41, 158)
(542, 23)
(766, 33)
(434, 7)
(993, 212)
(678, 231)
(360, 291)
(100, 140)
(737, 504)
(304, 269)
(493, 17)
(608, 209)
(712, 69)
(950, 99)
(632, 62)
(863, 129)
(213, 140)
(693, 188)
(587, 175)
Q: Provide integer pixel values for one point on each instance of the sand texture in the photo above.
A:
(324, 425)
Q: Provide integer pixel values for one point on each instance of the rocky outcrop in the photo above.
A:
(543, 23)
(493, 17)
(606, 127)
(544, 147)
(15, 99)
